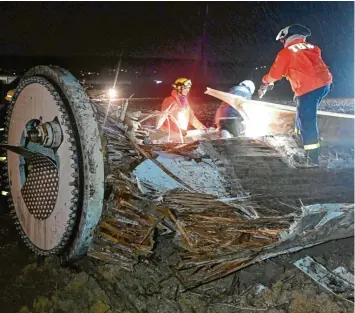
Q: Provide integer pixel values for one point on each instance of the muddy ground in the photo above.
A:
(37, 285)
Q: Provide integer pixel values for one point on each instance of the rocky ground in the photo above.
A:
(36, 285)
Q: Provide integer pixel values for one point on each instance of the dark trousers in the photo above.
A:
(306, 117)
(234, 126)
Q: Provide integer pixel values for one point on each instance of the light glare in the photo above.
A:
(112, 93)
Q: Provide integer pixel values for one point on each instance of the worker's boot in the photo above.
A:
(298, 140)
(313, 157)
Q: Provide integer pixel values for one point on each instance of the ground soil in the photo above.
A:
(37, 285)
(43, 285)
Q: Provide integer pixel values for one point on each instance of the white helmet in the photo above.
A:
(283, 33)
(293, 30)
(249, 84)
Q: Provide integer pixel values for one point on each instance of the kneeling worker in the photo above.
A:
(179, 113)
(229, 121)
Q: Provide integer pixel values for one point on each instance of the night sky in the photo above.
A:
(236, 30)
(239, 32)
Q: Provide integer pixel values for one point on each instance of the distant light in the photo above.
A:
(2, 159)
(4, 193)
(121, 70)
(2, 129)
(158, 81)
(112, 93)
(256, 68)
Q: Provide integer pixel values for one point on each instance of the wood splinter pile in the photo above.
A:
(210, 231)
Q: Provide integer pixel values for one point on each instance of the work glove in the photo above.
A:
(203, 128)
(264, 88)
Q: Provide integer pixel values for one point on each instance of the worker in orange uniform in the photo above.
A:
(302, 64)
(178, 111)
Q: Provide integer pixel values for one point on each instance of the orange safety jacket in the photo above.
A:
(174, 105)
(301, 63)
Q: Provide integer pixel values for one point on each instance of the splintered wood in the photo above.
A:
(213, 226)
(217, 236)
(126, 231)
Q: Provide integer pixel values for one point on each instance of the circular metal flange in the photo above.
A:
(66, 211)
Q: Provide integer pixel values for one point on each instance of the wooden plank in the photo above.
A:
(323, 276)
(265, 176)
(265, 118)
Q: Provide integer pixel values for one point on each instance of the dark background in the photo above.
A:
(231, 42)
(165, 40)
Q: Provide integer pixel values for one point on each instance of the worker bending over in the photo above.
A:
(179, 113)
(228, 120)
(302, 64)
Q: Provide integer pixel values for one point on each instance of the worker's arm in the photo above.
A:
(279, 68)
(166, 106)
(193, 120)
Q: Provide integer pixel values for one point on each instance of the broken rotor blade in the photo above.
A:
(233, 100)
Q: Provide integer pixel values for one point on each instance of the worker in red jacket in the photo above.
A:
(178, 110)
(301, 63)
